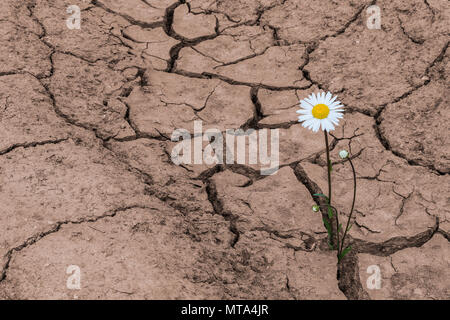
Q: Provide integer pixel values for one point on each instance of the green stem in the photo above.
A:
(329, 188)
(328, 165)
(353, 202)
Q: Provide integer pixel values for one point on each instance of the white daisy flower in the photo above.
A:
(321, 110)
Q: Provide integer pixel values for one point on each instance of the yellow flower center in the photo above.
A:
(320, 111)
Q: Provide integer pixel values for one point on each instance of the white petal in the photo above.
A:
(312, 123)
(334, 120)
(305, 117)
(306, 105)
(328, 98)
(335, 112)
(318, 97)
(335, 105)
(316, 126)
(308, 123)
(313, 99)
(329, 125)
(323, 124)
(303, 111)
(334, 117)
(321, 97)
(309, 100)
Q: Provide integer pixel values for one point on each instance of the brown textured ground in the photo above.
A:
(86, 178)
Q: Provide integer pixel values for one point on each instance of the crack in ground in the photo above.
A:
(217, 205)
(416, 41)
(249, 172)
(55, 228)
(378, 118)
(209, 75)
(142, 24)
(431, 9)
(310, 244)
(257, 111)
(226, 64)
(314, 44)
(402, 206)
(349, 281)
(169, 30)
(66, 118)
(31, 145)
(184, 42)
(445, 234)
(46, 86)
(288, 288)
(395, 244)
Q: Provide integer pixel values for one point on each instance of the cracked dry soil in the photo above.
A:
(86, 177)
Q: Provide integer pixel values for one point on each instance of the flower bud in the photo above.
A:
(315, 208)
(343, 154)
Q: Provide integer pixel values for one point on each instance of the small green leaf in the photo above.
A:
(349, 227)
(327, 225)
(344, 252)
(320, 195)
(340, 227)
(330, 167)
(330, 232)
(330, 213)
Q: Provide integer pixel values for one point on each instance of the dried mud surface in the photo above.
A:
(86, 176)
